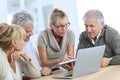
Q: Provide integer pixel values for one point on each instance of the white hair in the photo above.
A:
(22, 18)
(94, 13)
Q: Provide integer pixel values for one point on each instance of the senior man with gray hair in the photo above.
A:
(97, 33)
(25, 19)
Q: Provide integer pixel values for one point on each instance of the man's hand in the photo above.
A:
(105, 62)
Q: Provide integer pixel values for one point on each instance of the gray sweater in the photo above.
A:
(109, 37)
(47, 40)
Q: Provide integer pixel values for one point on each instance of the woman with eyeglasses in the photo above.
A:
(56, 44)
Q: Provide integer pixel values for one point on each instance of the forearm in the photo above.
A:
(30, 69)
(50, 63)
(26, 57)
(70, 51)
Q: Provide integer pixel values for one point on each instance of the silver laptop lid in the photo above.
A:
(88, 61)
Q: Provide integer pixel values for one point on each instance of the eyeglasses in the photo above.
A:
(62, 26)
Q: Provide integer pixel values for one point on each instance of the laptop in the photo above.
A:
(88, 61)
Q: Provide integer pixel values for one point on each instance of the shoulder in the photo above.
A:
(70, 33)
(111, 34)
(42, 33)
(3, 63)
(45, 33)
(83, 35)
(3, 56)
(111, 31)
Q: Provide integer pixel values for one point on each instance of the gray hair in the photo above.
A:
(22, 18)
(94, 13)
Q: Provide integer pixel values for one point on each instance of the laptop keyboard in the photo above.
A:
(68, 75)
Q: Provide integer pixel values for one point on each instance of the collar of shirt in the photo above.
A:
(96, 38)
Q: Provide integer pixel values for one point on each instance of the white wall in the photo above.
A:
(109, 8)
(3, 11)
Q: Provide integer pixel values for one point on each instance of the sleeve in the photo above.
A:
(41, 41)
(0, 67)
(29, 69)
(4, 72)
(71, 38)
(115, 47)
(81, 42)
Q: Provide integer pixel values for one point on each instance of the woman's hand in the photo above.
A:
(68, 66)
(68, 58)
(16, 55)
(46, 71)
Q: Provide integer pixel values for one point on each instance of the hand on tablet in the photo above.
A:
(68, 58)
(68, 63)
(68, 66)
